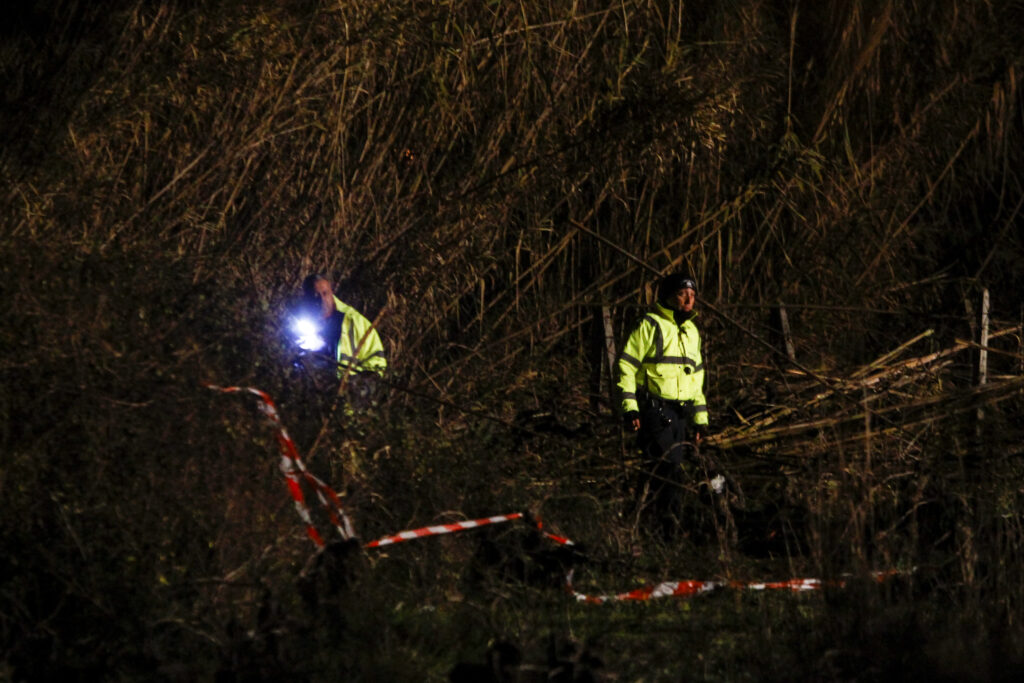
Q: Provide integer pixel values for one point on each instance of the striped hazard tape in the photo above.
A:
(438, 529)
(665, 589)
(454, 527)
(294, 471)
(670, 589)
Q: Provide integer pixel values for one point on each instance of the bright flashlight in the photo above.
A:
(307, 333)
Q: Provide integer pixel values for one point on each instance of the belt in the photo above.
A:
(659, 401)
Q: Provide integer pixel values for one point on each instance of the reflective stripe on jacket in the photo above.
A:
(359, 345)
(664, 358)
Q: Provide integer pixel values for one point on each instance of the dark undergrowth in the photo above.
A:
(497, 186)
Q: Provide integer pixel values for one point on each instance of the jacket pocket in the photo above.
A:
(666, 386)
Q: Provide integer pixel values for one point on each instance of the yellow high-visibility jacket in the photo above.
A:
(664, 358)
(359, 346)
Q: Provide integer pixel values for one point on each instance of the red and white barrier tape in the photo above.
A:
(453, 527)
(438, 529)
(560, 540)
(665, 589)
(293, 469)
(670, 589)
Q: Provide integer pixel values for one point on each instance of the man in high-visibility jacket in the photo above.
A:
(661, 377)
(351, 339)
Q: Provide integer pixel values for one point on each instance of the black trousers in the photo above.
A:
(665, 440)
(665, 430)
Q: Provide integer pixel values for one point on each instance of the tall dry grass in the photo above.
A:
(481, 180)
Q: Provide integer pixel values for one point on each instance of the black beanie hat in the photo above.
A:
(672, 283)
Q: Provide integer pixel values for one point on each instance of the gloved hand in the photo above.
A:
(631, 421)
(699, 432)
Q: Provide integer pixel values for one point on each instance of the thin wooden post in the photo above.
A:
(483, 306)
(867, 433)
(983, 352)
(983, 343)
(787, 336)
(609, 350)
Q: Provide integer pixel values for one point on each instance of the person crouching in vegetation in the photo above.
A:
(661, 377)
(351, 340)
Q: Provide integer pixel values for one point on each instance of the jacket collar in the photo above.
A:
(668, 313)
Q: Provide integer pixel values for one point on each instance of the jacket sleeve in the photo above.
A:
(700, 403)
(700, 410)
(359, 346)
(369, 350)
(629, 364)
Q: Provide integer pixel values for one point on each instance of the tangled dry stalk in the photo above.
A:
(497, 185)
